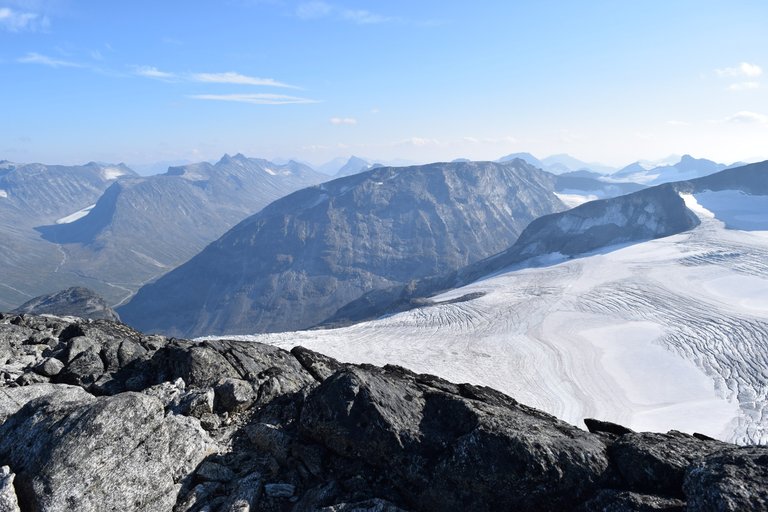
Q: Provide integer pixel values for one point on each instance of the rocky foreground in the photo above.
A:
(95, 416)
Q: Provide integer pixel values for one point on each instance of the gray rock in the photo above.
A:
(203, 364)
(75, 301)
(270, 439)
(213, 472)
(49, 367)
(210, 421)
(233, 395)
(318, 365)
(196, 402)
(246, 494)
(372, 505)
(169, 393)
(732, 480)
(110, 453)
(446, 451)
(656, 463)
(610, 500)
(13, 399)
(8, 500)
(279, 490)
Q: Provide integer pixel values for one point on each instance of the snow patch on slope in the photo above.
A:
(112, 173)
(72, 217)
(574, 199)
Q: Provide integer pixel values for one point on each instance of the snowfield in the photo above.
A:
(666, 334)
(76, 216)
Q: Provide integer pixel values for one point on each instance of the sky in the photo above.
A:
(428, 80)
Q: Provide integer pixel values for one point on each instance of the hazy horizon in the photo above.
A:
(144, 83)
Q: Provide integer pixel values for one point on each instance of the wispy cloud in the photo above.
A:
(338, 121)
(237, 78)
(318, 9)
(16, 21)
(256, 99)
(153, 72)
(229, 77)
(744, 86)
(744, 69)
(36, 58)
(312, 10)
(364, 17)
(746, 117)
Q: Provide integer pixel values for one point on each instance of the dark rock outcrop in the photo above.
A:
(74, 301)
(168, 424)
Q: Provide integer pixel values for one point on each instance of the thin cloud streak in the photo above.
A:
(236, 78)
(44, 60)
(255, 99)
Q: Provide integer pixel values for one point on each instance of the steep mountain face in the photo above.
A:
(34, 194)
(295, 262)
(75, 301)
(647, 214)
(687, 168)
(96, 416)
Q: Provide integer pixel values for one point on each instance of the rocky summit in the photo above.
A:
(97, 416)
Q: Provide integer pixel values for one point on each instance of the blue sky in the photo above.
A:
(608, 81)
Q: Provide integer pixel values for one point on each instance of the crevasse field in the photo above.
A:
(666, 334)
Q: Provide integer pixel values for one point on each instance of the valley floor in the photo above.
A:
(666, 334)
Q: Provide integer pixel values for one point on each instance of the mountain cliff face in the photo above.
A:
(34, 194)
(295, 262)
(96, 416)
(651, 213)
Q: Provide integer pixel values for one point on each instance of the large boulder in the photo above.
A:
(453, 447)
(729, 481)
(95, 454)
(656, 463)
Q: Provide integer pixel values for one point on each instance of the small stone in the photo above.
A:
(214, 472)
(279, 490)
(233, 395)
(210, 421)
(270, 439)
(196, 403)
(28, 379)
(168, 393)
(49, 367)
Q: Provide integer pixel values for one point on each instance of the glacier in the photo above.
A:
(665, 334)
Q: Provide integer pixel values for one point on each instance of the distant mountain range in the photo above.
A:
(108, 229)
(559, 164)
(686, 168)
(301, 258)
